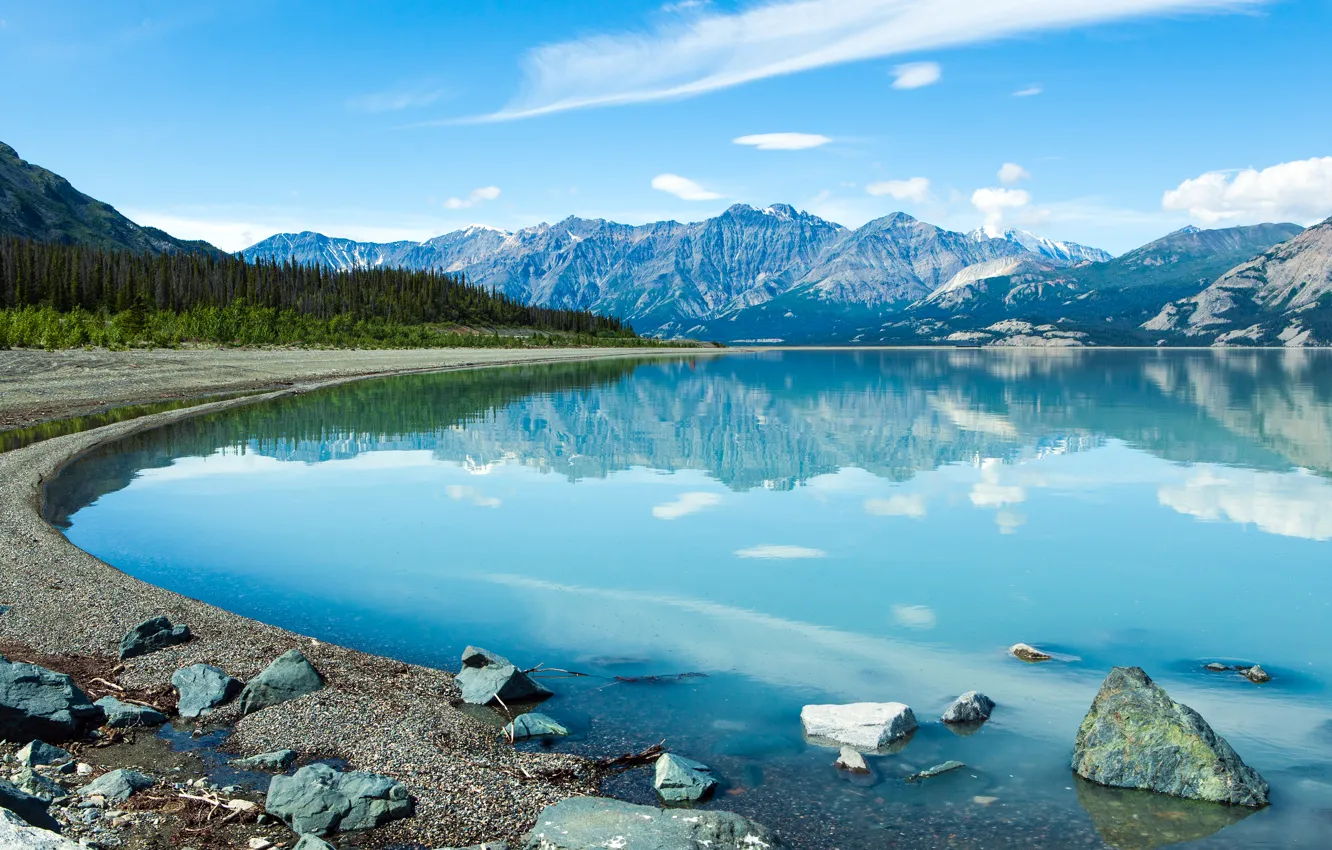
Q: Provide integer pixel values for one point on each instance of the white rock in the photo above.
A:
(864, 725)
(258, 843)
(16, 834)
(851, 760)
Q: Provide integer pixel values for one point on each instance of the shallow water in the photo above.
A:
(800, 527)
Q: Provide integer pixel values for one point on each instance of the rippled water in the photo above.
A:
(801, 527)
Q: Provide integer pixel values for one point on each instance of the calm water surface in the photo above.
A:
(801, 527)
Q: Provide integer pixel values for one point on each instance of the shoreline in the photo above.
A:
(376, 713)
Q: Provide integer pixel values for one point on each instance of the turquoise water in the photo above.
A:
(801, 527)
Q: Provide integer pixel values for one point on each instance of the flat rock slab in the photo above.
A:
(1136, 736)
(18, 834)
(596, 823)
(320, 800)
(126, 715)
(937, 770)
(863, 725)
(534, 724)
(289, 676)
(486, 675)
(278, 760)
(202, 688)
(43, 704)
(151, 635)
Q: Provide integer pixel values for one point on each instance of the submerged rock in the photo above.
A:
(581, 823)
(202, 688)
(18, 834)
(320, 800)
(289, 676)
(38, 753)
(971, 707)
(276, 760)
(485, 675)
(118, 785)
(681, 780)
(864, 725)
(1028, 653)
(533, 725)
(1136, 736)
(850, 760)
(151, 635)
(122, 715)
(33, 810)
(43, 704)
(937, 770)
(1140, 820)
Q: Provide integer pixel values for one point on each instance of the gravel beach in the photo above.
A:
(377, 714)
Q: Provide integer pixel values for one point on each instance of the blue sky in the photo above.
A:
(1121, 119)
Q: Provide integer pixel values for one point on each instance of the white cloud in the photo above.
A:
(680, 57)
(783, 141)
(914, 616)
(395, 101)
(682, 187)
(1011, 172)
(1298, 191)
(995, 203)
(476, 196)
(464, 493)
(913, 189)
(783, 553)
(897, 505)
(687, 503)
(915, 75)
(684, 6)
(1029, 91)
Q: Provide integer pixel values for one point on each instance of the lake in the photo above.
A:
(801, 527)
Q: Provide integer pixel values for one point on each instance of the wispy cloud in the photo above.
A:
(780, 553)
(1298, 191)
(1029, 91)
(915, 616)
(912, 189)
(686, 504)
(682, 187)
(476, 196)
(783, 141)
(916, 75)
(685, 56)
(395, 100)
(1011, 172)
(898, 505)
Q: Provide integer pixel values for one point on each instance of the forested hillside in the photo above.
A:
(56, 295)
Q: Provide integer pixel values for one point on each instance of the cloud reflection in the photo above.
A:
(686, 504)
(1295, 504)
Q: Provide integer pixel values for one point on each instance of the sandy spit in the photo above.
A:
(377, 713)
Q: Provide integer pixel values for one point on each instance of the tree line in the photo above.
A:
(68, 278)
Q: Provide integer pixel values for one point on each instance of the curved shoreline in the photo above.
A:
(377, 713)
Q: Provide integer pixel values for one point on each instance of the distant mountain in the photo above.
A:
(41, 205)
(1058, 253)
(1283, 296)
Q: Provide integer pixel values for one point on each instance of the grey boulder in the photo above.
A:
(18, 834)
(1136, 736)
(118, 785)
(31, 782)
(289, 676)
(151, 635)
(38, 753)
(124, 715)
(593, 823)
(681, 780)
(534, 724)
(320, 800)
(43, 704)
(202, 688)
(312, 842)
(971, 707)
(485, 676)
(31, 809)
(278, 760)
